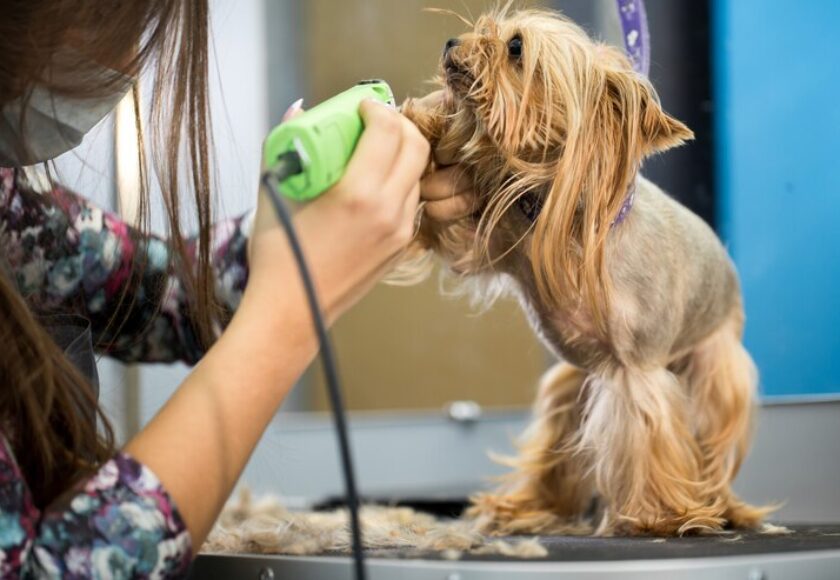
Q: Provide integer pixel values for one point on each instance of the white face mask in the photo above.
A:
(54, 124)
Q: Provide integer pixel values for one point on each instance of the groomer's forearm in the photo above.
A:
(201, 440)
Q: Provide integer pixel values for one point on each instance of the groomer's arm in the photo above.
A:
(201, 440)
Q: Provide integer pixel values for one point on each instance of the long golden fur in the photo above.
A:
(651, 410)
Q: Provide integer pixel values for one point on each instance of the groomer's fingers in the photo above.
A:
(409, 214)
(445, 183)
(378, 146)
(448, 194)
(412, 160)
(446, 156)
(293, 111)
(451, 208)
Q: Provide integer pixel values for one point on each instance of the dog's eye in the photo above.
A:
(515, 47)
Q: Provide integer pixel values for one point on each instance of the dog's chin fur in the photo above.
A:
(651, 412)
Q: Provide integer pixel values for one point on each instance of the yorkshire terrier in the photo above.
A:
(651, 410)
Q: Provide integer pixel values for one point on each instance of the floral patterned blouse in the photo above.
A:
(67, 255)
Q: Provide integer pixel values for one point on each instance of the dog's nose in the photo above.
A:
(450, 44)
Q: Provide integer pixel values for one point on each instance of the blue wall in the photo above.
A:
(777, 89)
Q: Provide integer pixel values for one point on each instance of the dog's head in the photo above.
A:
(554, 127)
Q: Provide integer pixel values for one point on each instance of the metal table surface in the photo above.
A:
(812, 551)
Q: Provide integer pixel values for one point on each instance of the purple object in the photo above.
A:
(634, 32)
(626, 207)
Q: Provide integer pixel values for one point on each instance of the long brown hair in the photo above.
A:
(43, 398)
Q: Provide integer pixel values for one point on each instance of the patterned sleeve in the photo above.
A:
(70, 256)
(120, 523)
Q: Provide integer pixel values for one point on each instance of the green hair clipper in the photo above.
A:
(308, 154)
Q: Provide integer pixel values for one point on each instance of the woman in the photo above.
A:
(72, 505)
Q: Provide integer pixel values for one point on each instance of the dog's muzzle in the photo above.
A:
(456, 74)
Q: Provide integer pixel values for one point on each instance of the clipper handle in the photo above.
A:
(323, 138)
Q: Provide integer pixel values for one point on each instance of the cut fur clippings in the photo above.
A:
(267, 527)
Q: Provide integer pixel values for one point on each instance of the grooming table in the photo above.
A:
(795, 459)
(811, 552)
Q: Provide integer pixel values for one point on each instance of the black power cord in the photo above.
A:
(286, 166)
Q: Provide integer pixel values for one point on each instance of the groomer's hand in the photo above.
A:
(351, 233)
(448, 194)
(448, 191)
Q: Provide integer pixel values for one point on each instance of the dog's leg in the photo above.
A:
(548, 491)
(430, 122)
(722, 383)
(647, 463)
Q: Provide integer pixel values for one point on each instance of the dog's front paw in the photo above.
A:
(511, 515)
(426, 113)
(740, 515)
(704, 520)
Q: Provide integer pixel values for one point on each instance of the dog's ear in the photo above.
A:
(635, 101)
(659, 130)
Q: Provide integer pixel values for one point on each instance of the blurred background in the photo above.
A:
(752, 78)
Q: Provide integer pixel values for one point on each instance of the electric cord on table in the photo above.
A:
(287, 166)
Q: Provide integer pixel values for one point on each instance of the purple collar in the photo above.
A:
(626, 206)
(531, 204)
